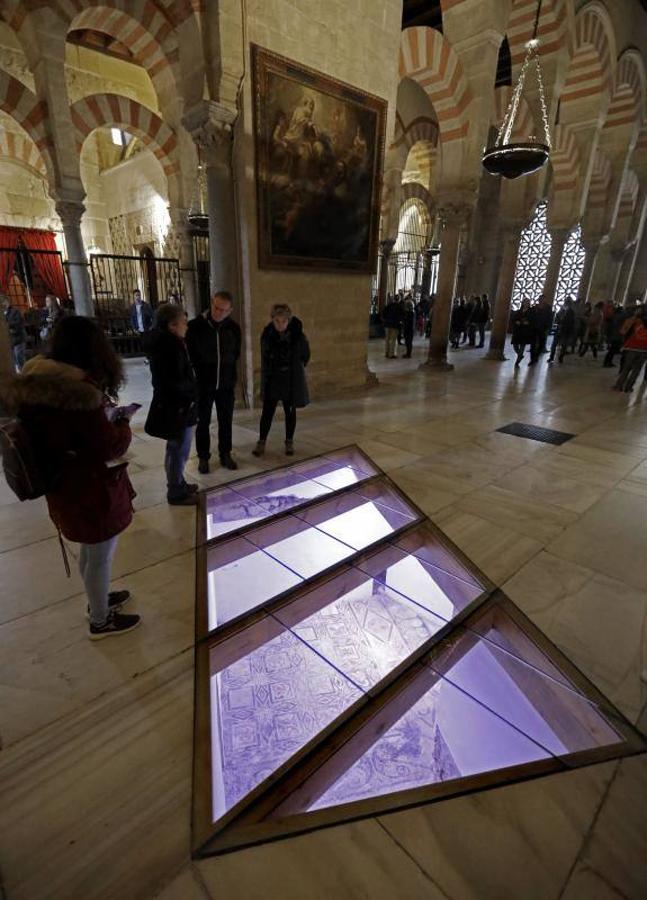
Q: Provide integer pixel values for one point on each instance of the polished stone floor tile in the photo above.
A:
(539, 484)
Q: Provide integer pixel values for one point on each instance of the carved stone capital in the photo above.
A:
(70, 212)
(454, 213)
(210, 124)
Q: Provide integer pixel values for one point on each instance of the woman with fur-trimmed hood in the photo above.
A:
(66, 401)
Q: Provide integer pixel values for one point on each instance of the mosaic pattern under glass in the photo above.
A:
(401, 670)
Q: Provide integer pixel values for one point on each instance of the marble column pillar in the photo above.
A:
(454, 218)
(591, 249)
(501, 316)
(617, 259)
(211, 126)
(425, 284)
(625, 271)
(386, 246)
(559, 236)
(187, 261)
(70, 213)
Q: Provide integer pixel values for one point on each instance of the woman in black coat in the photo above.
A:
(285, 353)
(172, 414)
(522, 330)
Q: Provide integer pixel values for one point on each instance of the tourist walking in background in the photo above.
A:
(51, 316)
(457, 322)
(593, 332)
(141, 314)
(66, 401)
(214, 341)
(522, 330)
(172, 412)
(564, 328)
(635, 352)
(541, 317)
(285, 353)
(614, 337)
(481, 317)
(391, 319)
(17, 332)
(408, 326)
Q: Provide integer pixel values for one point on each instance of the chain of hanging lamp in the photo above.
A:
(505, 132)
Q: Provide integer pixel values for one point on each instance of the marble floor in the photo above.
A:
(96, 738)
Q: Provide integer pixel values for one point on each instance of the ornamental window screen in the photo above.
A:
(532, 263)
(413, 238)
(571, 268)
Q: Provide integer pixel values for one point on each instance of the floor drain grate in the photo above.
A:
(534, 433)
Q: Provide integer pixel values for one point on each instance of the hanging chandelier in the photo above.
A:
(513, 159)
(196, 215)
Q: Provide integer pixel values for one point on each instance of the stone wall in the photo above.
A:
(334, 307)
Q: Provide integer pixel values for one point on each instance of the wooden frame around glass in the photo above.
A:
(290, 144)
(245, 824)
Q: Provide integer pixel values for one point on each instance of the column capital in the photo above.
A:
(210, 124)
(454, 212)
(70, 212)
(387, 245)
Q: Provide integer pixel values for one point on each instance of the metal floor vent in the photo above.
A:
(534, 433)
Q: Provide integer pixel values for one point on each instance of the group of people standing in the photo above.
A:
(580, 326)
(399, 320)
(66, 402)
(33, 327)
(469, 318)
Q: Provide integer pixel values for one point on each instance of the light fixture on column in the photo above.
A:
(513, 159)
(197, 217)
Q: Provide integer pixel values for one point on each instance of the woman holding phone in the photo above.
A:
(66, 402)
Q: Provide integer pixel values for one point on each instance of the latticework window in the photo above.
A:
(571, 268)
(534, 253)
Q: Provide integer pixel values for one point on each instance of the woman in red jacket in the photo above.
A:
(66, 401)
(635, 352)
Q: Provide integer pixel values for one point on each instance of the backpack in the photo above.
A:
(19, 462)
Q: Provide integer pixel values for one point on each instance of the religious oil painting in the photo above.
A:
(319, 151)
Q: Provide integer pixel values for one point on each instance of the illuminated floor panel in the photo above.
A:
(380, 669)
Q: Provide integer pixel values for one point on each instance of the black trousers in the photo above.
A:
(267, 414)
(224, 402)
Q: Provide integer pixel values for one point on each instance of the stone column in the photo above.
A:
(591, 255)
(617, 259)
(187, 261)
(559, 236)
(454, 217)
(511, 239)
(386, 247)
(70, 213)
(211, 126)
(425, 284)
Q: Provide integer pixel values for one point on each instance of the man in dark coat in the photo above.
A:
(564, 330)
(541, 318)
(391, 319)
(214, 340)
(408, 325)
(17, 332)
(481, 317)
(141, 314)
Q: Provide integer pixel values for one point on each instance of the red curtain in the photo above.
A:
(48, 265)
(8, 244)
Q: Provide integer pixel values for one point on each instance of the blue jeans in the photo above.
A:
(95, 563)
(18, 353)
(177, 453)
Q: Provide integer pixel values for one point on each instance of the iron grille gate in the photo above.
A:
(116, 277)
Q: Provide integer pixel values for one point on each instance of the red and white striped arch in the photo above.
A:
(524, 125)
(420, 165)
(628, 100)
(138, 24)
(415, 191)
(628, 195)
(420, 129)
(113, 110)
(31, 114)
(591, 69)
(553, 30)
(427, 58)
(600, 182)
(565, 159)
(21, 149)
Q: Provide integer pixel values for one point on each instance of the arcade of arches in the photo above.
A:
(120, 117)
(107, 110)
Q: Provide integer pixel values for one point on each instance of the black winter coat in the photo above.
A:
(283, 361)
(173, 406)
(392, 314)
(214, 348)
(523, 331)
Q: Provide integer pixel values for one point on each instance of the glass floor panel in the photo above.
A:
(304, 549)
(248, 500)
(360, 626)
(424, 543)
(270, 694)
(240, 578)
(433, 588)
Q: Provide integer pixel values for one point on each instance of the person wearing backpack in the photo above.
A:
(65, 405)
(635, 352)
